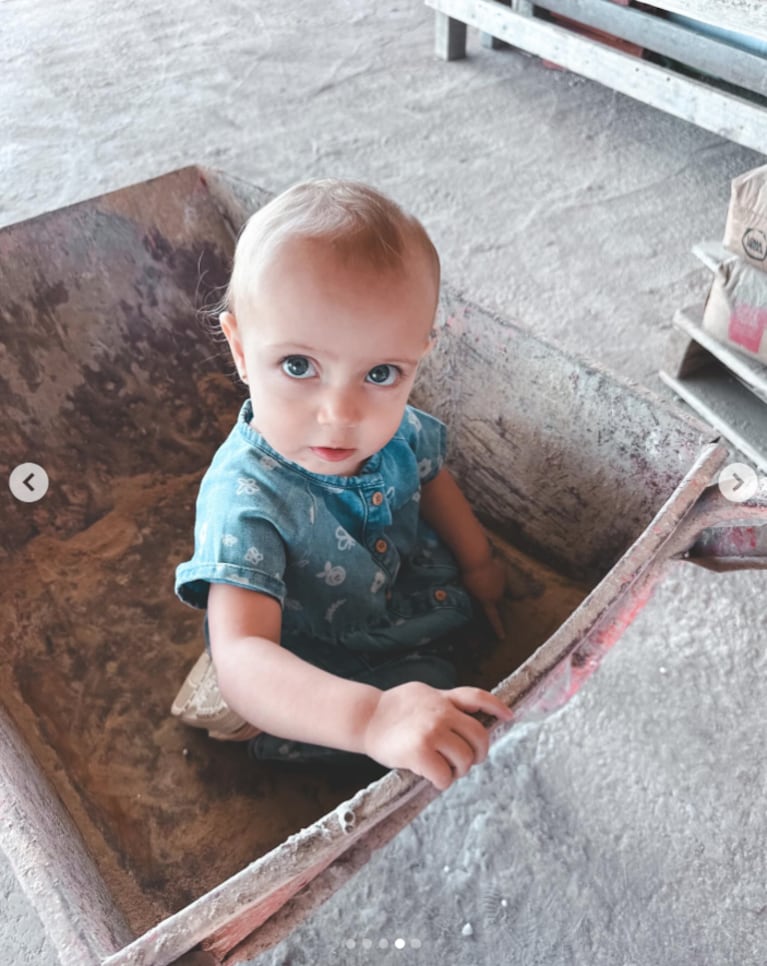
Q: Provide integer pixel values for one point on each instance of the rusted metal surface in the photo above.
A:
(722, 535)
(109, 379)
(561, 457)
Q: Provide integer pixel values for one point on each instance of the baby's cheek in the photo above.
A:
(389, 424)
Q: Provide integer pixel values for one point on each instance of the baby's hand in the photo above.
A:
(487, 583)
(428, 731)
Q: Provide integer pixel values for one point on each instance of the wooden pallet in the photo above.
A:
(725, 387)
(737, 112)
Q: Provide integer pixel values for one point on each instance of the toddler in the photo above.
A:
(332, 546)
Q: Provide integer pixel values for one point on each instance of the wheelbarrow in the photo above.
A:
(137, 840)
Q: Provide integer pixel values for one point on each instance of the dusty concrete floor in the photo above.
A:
(628, 829)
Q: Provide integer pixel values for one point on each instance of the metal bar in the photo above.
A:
(722, 535)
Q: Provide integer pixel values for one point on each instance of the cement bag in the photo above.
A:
(736, 308)
(745, 233)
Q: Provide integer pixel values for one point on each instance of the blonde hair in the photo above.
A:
(360, 224)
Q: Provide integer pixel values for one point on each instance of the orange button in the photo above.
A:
(377, 498)
(440, 595)
(381, 546)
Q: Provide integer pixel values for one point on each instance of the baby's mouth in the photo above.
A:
(332, 454)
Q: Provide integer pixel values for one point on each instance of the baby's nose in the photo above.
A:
(340, 407)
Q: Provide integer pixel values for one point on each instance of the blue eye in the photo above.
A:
(297, 367)
(383, 375)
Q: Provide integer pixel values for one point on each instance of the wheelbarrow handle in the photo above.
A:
(721, 534)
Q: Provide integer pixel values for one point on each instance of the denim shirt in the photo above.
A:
(348, 557)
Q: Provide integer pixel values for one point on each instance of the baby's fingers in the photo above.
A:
(474, 739)
(438, 771)
(463, 748)
(475, 699)
(456, 751)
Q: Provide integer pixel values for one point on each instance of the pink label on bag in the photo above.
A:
(747, 325)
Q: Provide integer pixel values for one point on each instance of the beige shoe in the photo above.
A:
(200, 705)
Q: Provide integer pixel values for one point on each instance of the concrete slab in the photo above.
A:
(624, 830)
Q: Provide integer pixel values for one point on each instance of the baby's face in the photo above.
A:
(330, 353)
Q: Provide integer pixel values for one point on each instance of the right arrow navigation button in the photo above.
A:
(738, 482)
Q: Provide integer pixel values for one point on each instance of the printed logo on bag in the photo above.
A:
(755, 244)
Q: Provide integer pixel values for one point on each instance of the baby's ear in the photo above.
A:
(231, 331)
(227, 322)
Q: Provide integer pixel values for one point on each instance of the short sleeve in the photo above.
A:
(232, 548)
(427, 437)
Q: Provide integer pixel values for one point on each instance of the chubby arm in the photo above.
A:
(272, 688)
(446, 509)
(411, 726)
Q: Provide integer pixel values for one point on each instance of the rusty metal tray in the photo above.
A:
(136, 839)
